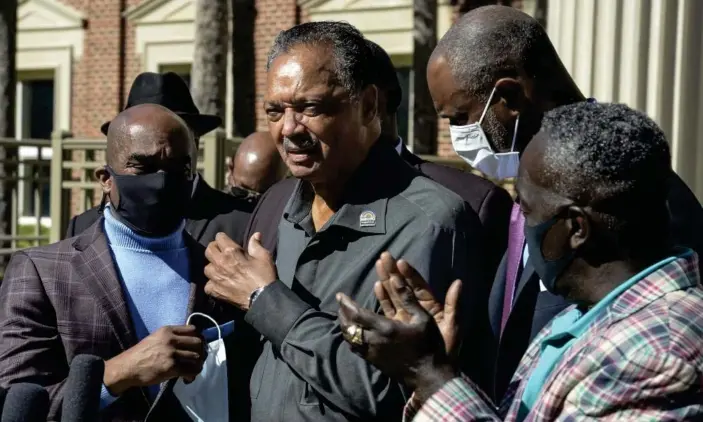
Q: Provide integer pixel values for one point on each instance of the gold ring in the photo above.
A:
(356, 335)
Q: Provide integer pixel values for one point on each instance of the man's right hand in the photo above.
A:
(446, 316)
(169, 352)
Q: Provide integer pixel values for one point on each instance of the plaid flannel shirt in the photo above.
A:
(641, 359)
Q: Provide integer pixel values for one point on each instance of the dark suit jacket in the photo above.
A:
(491, 203)
(532, 309)
(65, 299)
(211, 212)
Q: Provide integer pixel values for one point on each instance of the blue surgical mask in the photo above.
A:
(547, 270)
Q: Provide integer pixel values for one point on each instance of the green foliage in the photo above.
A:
(28, 230)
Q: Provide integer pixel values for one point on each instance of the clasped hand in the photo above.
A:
(233, 273)
(418, 337)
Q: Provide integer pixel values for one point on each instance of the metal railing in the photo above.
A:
(74, 188)
(25, 180)
(68, 176)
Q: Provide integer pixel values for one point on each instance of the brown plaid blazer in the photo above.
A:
(65, 299)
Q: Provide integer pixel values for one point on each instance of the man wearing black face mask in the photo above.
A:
(210, 210)
(123, 289)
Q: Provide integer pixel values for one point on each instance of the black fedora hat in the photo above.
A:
(169, 90)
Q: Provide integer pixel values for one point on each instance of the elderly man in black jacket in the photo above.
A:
(211, 211)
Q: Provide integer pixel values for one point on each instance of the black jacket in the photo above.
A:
(491, 203)
(533, 309)
(211, 212)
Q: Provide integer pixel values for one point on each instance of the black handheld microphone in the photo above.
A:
(81, 396)
(25, 403)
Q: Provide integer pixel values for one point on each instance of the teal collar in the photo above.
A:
(568, 327)
(574, 323)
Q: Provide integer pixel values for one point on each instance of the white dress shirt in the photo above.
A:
(399, 145)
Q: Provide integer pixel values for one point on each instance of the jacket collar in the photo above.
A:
(382, 175)
(677, 275)
(410, 158)
(196, 223)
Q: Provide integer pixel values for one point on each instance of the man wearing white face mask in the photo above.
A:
(471, 143)
(493, 75)
(490, 202)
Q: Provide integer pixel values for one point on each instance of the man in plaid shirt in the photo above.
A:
(592, 187)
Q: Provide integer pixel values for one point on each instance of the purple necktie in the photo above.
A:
(516, 242)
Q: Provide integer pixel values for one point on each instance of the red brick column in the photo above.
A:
(273, 16)
(96, 85)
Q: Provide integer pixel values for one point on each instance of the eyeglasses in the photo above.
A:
(244, 193)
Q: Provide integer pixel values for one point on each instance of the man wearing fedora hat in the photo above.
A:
(211, 211)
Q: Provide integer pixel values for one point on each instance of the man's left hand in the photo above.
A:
(233, 273)
(409, 349)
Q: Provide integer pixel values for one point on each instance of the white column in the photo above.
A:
(585, 38)
(645, 53)
(633, 55)
(687, 100)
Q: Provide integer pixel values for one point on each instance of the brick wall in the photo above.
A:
(273, 16)
(103, 75)
(133, 64)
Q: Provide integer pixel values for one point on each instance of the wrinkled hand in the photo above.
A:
(169, 352)
(445, 316)
(411, 350)
(233, 273)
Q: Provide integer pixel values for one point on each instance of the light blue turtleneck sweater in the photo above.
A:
(154, 274)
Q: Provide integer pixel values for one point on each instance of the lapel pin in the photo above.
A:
(367, 219)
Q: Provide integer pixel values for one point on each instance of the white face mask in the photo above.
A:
(206, 398)
(471, 143)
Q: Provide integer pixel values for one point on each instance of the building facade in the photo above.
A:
(76, 59)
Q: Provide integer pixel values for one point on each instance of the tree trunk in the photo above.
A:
(209, 72)
(424, 40)
(243, 67)
(8, 44)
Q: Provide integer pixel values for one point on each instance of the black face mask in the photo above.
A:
(152, 204)
(547, 270)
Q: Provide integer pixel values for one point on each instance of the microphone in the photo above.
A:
(25, 403)
(81, 397)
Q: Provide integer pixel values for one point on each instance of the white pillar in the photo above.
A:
(645, 53)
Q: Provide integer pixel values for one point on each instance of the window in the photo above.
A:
(36, 117)
(182, 70)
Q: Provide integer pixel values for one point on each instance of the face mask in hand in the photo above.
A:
(206, 398)
(471, 143)
(547, 270)
(152, 204)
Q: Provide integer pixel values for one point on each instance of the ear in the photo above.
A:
(580, 227)
(369, 103)
(104, 179)
(382, 105)
(511, 94)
